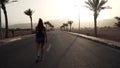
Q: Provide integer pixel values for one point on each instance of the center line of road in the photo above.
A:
(48, 49)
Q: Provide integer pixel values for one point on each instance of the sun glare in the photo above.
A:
(57, 9)
(68, 9)
(72, 9)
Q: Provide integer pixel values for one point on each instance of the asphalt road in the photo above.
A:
(62, 51)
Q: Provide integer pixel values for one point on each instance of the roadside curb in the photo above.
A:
(6, 41)
(110, 43)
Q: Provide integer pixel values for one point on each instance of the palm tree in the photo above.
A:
(118, 23)
(3, 3)
(70, 23)
(66, 26)
(46, 23)
(51, 26)
(30, 12)
(96, 6)
(62, 27)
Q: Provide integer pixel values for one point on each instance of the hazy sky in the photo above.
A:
(57, 9)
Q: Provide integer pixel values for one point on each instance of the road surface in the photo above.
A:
(63, 50)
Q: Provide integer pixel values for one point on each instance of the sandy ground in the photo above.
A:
(14, 36)
(16, 33)
(106, 33)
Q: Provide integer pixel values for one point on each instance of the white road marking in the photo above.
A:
(48, 49)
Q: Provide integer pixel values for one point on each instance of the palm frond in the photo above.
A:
(103, 7)
(106, 7)
(28, 12)
(7, 1)
(118, 18)
(91, 3)
(70, 22)
(88, 4)
(14, 1)
(102, 2)
(4, 1)
(96, 3)
(89, 7)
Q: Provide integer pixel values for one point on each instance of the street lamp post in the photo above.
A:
(79, 20)
(78, 13)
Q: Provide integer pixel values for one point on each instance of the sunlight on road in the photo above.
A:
(15, 39)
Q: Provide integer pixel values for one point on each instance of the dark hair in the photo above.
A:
(40, 26)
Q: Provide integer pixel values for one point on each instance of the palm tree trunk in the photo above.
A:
(95, 23)
(6, 20)
(70, 27)
(0, 25)
(64, 28)
(46, 26)
(31, 24)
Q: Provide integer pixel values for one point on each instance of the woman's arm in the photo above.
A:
(45, 35)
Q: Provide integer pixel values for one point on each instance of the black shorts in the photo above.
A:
(40, 37)
(40, 40)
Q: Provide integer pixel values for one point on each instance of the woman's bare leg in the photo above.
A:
(39, 52)
(42, 50)
(37, 49)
